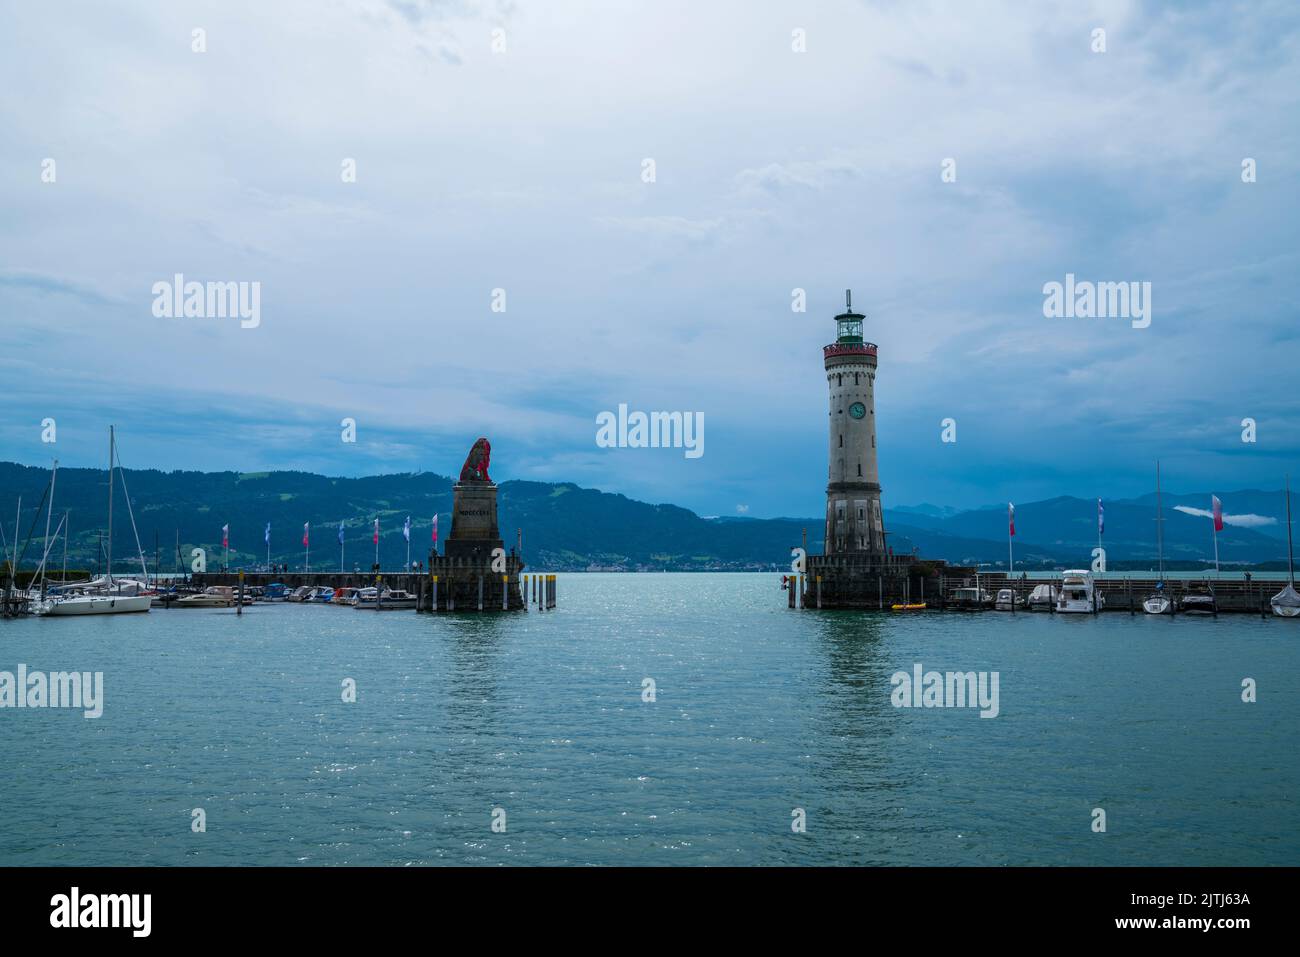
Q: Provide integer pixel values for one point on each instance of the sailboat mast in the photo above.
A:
(1160, 521)
(1290, 552)
(112, 448)
(66, 513)
(49, 510)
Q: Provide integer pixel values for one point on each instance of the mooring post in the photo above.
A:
(239, 609)
(480, 592)
(505, 592)
(819, 591)
(880, 591)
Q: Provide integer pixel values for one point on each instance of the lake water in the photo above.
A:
(760, 710)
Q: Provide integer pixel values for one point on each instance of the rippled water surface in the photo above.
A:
(760, 710)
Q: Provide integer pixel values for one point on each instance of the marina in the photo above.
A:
(756, 711)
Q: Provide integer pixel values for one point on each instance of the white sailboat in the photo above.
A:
(1286, 603)
(1158, 603)
(103, 596)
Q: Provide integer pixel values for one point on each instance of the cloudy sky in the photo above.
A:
(522, 169)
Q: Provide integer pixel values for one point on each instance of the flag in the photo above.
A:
(1101, 518)
(376, 531)
(340, 533)
(267, 536)
(225, 536)
(406, 531)
(306, 530)
(1011, 519)
(1218, 512)
(435, 529)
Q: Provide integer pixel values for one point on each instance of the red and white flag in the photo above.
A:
(306, 530)
(376, 531)
(225, 536)
(1011, 520)
(1218, 512)
(435, 529)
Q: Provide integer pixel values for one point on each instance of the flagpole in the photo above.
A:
(1011, 561)
(340, 548)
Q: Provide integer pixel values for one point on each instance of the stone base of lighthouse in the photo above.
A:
(862, 582)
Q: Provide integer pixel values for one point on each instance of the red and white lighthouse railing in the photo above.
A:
(849, 349)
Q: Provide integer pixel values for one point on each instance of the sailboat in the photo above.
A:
(1158, 603)
(1286, 603)
(104, 596)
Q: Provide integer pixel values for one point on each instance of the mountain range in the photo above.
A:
(566, 527)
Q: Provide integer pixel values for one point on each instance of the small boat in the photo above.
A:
(106, 595)
(1008, 600)
(276, 591)
(322, 595)
(970, 599)
(1286, 603)
(95, 603)
(215, 596)
(1078, 594)
(372, 599)
(914, 606)
(345, 596)
(1042, 598)
(1158, 603)
(1199, 602)
(299, 594)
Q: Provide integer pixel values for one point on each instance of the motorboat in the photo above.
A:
(374, 600)
(1008, 600)
(345, 596)
(300, 593)
(1078, 594)
(1042, 598)
(276, 591)
(970, 599)
(321, 595)
(1199, 602)
(214, 596)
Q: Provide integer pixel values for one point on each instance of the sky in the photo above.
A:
(500, 153)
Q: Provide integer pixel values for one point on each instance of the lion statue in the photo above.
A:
(475, 468)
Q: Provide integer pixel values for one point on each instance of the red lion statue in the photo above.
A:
(476, 463)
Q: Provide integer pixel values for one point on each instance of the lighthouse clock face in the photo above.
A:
(857, 410)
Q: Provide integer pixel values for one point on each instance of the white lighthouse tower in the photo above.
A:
(853, 522)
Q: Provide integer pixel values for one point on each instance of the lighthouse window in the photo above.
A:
(860, 515)
(855, 378)
(841, 441)
(839, 379)
(859, 476)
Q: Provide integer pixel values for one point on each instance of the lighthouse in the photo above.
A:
(853, 522)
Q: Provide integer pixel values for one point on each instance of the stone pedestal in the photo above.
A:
(474, 532)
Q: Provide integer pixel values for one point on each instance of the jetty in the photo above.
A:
(1120, 592)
